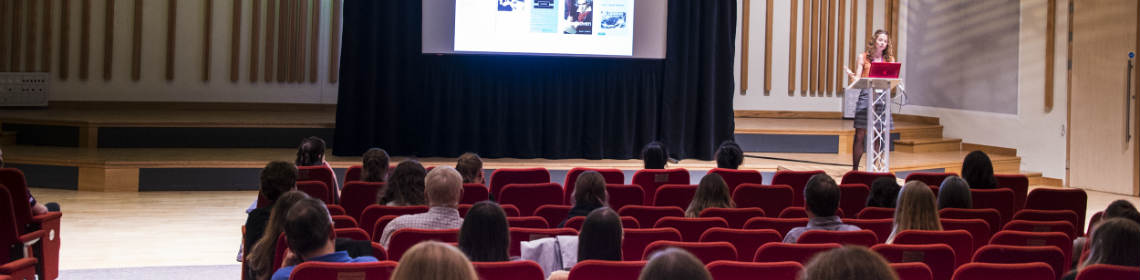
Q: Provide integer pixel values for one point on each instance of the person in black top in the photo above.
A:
(589, 194)
(978, 170)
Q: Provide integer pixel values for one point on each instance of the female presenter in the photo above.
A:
(878, 50)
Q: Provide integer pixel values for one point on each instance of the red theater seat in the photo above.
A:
(48, 263)
(1024, 254)
(622, 195)
(865, 238)
(651, 179)
(635, 240)
(318, 190)
(474, 192)
(746, 241)
(992, 217)
(528, 197)
(1049, 215)
(502, 177)
(511, 270)
(1075, 200)
(959, 240)
(375, 211)
(1108, 271)
(853, 198)
(327, 270)
(707, 252)
(352, 233)
(978, 228)
(1040, 226)
(939, 258)
(609, 175)
(801, 253)
(691, 228)
(730, 270)
(554, 214)
(881, 227)
(933, 179)
(1018, 183)
(606, 270)
(797, 180)
(876, 213)
(800, 212)
(343, 221)
(1000, 271)
(321, 174)
(781, 225)
(404, 239)
(999, 199)
(1022, 238)
(647, 216)
(913, 271)
(358, 195)
(736, 217)
(735, 177)
(674, 195)
(527, 222)
(864, 177)
(576, 222)
(772, 199)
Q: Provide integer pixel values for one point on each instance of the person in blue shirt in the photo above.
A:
(310, 235)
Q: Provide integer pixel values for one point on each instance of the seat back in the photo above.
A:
(9, 234)
(863, 177)
(1060, 199)
(606, 270)
(1024, 238)
(1019, 184)
(610, 175)
(1001, 271)
(735, 177)
(528, 197)
(876, 213)
(853, 198)
(746, 241)
(959, 240)
(319, 173)
(518, 235)
(1049, 215)
(1092, 222)
(647, 216)
(978, 228)
(995, 253)
(373, 212)
(635, 241)
(991, 216)
(1000, 199)
(576, 222)
(328, 270)
(736, 217)
(801, 253)
(674, 195)
(502, 177)
(912, 271)
(318, 190)
(881, 227)
(352, 174)
(781, 225)
(358, 195)
(377, 228)
(939, 258)
(13, 180)
(707, 252)
(651, 179)
(352, 233)
(1108, 271)
(404, 239)
(554, 214)
(509, 270)
(746, 270)
(527, 222)
(865, 238)
(691, 228)
(797, 180)
(511, 210)
(474, 192)
(929, 178)
(622, 195)
(800, 212)
(344, 221)
(1040, 226)
(772, 199)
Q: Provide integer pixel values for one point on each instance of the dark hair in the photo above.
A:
(311, 152)
(600, 238)
(955, 193)
(674, 263)
(711, 193)
(375, 165)
(277, 178)
(484, 236)
(590, 189)
(308, 226)
(654, 155)
(259, 257)
(978, 170)
(729, 155)
(1115, 241)
(821, 195)
(1122, 209)
(406, 186)
(848, 262)
(884, 193)
(470, 166)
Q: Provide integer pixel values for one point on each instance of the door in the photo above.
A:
(1102, 115)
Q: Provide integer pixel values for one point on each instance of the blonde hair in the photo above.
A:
(432, 260)
(888, 53)
(443, 186)
(916, 209)
(711, 193)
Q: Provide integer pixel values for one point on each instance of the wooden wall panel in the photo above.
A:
(792, 49)
(270, 30)
(5, 34)
(136, 42)
(854, 33)
(334, 43)
(171, 22)
(1050, 41)
(207, 39)
(282, 41)
(17, 34)
(745, 31)
(811, 89)
(235, 42)
(315, 38)
(85, 40)
(818, 50)
(829, 66)
(108, 39)
(254, 40)
(806, 50)
(302, 23)
(64, 39)
(870, 19)
(45, 46)
(30, 48)
(768, 48)
(839, 50)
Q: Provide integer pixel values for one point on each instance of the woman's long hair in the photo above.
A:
(954, 193)
(311, 152)
(711, 193)
(484, 235)
(601, 236)
(406, 185)
(915, 209)
(978, 170)
(375, 165)
(260, 258)
(871, 48)
(1115, 241)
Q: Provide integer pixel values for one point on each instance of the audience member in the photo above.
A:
(443, 191)
(848, 262)
(277, 178)
(432, 260)
(674, 263)
(1115, 241)
(470, 166)
(485, 234)
(1117, 209)
(711, 193)
(589, 194)
(375, 166)
(954, 193)
(406, 185)
(978, 171)
(729, 155)
(915, 210)
(821, 198)
(599, 239)
(37, 208)
(884, 192)
(310, 236)
(654, 155)
(259, 258)
(312, 153)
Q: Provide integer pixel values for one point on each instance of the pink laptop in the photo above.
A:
(885, 70)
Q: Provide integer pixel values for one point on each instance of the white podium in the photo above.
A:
(878, 140)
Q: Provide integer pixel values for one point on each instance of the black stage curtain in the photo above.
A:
(427, 105)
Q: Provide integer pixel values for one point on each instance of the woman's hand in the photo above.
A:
(849, 73)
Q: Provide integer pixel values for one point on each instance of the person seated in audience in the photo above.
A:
(485, 234)
(312, 153)
(310, 236)
(589, 194)
(375, 168)
(259, 258)
(470, 166)
(37, 208)
(978, 171)
(711, 193)
(443, 191)
(599, 239)
(1117, 209)
(884, 192)
(654, 155)
(1115, 241)
(432, 260)
(674, 263)
(821, 198)
(277, 178)
(406, 185)
(954, 193)
(848, 262)
(915, 210)
(729, 155)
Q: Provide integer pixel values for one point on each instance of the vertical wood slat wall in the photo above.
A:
(289, 50)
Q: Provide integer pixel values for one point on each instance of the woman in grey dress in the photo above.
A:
(878, 49)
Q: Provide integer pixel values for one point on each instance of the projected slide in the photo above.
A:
(577, 27)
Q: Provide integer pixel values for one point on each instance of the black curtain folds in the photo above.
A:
(428, 105)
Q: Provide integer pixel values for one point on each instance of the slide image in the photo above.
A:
(580, 17)
(511, 5)
(613, 20)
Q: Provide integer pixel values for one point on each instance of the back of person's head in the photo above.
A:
(848, 262)
(729, 155)
(485, 236)
(311, 152)
(821, 195)
(978, 170)
(590, 189)
(955, 193)
(432, 260)
(1122, 209)
(1115, 241)
(443, 187)
(406, 185)
(601, 235)
(674, 263)
(375, 165)
(654, 155)
(711, 193)
(277, 178)
(884, 192)
(308, 227)
(470, 166)
(916, 208)
(260, 257)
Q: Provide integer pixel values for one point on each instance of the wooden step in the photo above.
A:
(1038, 179)
(922, 145)
(919, 131)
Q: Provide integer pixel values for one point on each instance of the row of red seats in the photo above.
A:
(31, 242)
